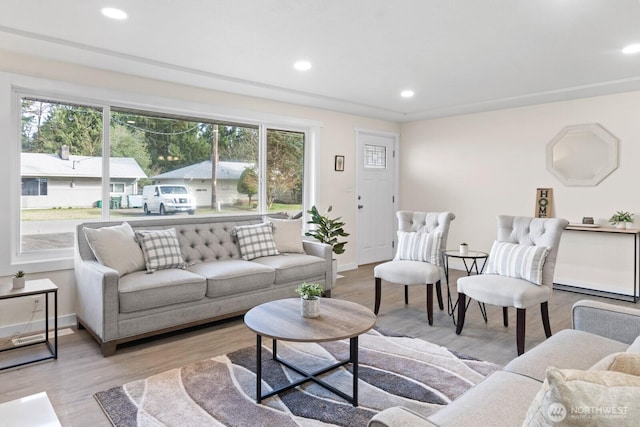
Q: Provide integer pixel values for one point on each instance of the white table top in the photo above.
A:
(33, 411)
(30, 287)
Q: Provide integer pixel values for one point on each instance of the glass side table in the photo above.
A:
(471, 261)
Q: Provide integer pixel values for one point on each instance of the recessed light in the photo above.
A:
(113, 13)
(407, 93)
(631, 49)
(302, 65)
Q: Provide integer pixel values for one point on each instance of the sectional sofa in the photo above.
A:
(596, 380)
(146, 277)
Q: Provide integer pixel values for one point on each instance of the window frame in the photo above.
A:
(19, 87)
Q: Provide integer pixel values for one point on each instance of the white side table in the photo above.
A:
(35, 287)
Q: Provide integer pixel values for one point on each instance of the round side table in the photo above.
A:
(471, 261)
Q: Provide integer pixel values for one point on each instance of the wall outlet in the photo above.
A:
(37, 303)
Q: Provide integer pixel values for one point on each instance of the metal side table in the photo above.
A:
(471, 260)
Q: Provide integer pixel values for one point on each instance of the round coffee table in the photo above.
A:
(281, 320)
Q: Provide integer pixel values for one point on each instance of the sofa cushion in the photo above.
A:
(501, 399)
(575, 397)
(627, 363)
(116, 247)
(234, 276)
(635, 346)
(161, 249)
(287, 235)
(141, 291)
(568, 348)
(419, 246)
(255, 241)
(292, 267)
(517, 261)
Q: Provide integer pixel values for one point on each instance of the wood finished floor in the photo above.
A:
(81, 371)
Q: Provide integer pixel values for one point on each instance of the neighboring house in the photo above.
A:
(197, 178)
(63, 180)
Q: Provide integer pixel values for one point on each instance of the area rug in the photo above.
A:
(221, 391)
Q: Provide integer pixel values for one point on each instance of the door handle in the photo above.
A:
(360, 206)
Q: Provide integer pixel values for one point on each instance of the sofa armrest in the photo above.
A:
(322, 250)
(97, 298)
(399, 416)
(611, 321)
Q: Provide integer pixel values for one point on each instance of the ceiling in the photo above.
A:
(458, 56)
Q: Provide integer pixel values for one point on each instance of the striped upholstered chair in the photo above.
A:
(422, 236)
(519, 271)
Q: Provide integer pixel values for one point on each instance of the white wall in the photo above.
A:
(482, 165)
(337, 136)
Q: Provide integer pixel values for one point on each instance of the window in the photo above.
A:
(34, 186)
(66, 181)
(116, 187)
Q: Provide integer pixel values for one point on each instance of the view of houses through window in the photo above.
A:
(158, 165)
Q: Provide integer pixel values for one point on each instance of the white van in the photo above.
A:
(164, 199)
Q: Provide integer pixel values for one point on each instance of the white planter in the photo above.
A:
(621, 225)
(310, 307)
(464, 249)
(18, 282)
(628, 225)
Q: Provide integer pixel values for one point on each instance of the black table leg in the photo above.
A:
(258, 368)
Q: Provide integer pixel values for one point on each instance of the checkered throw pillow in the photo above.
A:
(160, 248)
(256, 241)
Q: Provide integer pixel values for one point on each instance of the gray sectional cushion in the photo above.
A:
(503, 398)
(290, 267)
(234, 276)
(566, 349)
(141, 291)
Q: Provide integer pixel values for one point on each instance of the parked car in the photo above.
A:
(163, 199)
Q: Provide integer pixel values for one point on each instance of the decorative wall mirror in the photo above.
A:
(582, 155)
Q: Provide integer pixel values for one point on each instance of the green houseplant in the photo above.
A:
(18, 280)
(309, 299)
(621, 218)
(327, 230)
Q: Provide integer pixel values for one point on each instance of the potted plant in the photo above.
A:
(310, 294)
(18, 280)
(327, 231)
(464, 248)
(622, 219)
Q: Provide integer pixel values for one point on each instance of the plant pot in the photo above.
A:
(18, 282)
(464, 249)
(310, 307)
(628, 225)
(620, 225)
(334, 269)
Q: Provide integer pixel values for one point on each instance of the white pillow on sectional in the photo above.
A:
(116, 247)
(287, 235)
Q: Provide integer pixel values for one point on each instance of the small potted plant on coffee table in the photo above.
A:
(310, 294)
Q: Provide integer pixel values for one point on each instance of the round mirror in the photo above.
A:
(582, 155)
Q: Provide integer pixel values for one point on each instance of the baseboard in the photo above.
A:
(65, 321)
(346, 267)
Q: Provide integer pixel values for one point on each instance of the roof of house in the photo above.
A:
(202, 170)
(45, 165)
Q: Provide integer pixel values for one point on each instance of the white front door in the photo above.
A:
(375, 198)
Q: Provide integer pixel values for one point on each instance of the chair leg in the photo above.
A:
(544, 310)
(406, 295)
(430, 303)
(505, 316)
(439, 294)
(378, 292)
(462, 308)
(520, 328)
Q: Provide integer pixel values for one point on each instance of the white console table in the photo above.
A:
(600, 261)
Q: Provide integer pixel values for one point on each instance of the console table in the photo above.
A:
(601, 261)
(35, 287)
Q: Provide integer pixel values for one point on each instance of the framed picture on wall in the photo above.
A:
(339, 163)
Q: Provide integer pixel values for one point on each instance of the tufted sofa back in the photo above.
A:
(534, 232)
(426, 221)
(202, 239)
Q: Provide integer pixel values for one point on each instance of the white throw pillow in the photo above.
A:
(571, 397)
(419, 246)
(287, 235)
(116, 247)
(518, 261)
(161, 249)
(255, 241)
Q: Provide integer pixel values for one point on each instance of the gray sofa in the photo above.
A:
(216, 283)
(503, 398)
